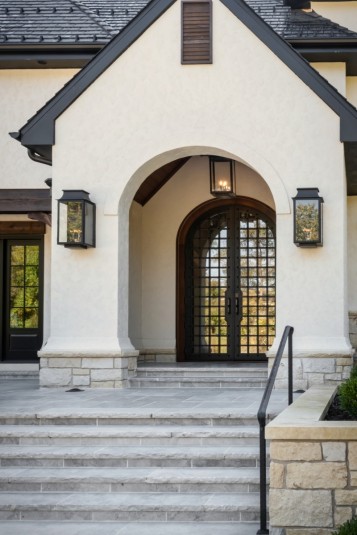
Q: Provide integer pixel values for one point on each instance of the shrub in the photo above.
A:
(347, 528)
(354, 373)
(348, 399)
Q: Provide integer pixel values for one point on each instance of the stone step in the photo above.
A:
(116, 480)
(129, 435)
(123, 528)
(201, 371)
(125, 416)
(197, 382)
(131, 507)
(169, 456)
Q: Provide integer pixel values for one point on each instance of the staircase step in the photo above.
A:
(134, 479)
(66, 457)
(201, 371)
(126, 435)
(124, 417)
(197, 382)
(130, 507)
(134, 528)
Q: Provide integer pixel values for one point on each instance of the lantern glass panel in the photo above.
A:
(89, 224)
(307, 226)
(74, 222)
(222, 177)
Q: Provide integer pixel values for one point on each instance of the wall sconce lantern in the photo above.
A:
(308, 217)
(222, 176)
(76, 219)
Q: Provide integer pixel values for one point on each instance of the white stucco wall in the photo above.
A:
(22, 93)
(352, 254)
(351, 89)
(148, 109)
(344, 13)
(335, 73)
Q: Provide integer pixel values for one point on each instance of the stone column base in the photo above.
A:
(157, 355)
(314, 369)
(69, 369)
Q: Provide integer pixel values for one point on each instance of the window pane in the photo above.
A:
(17, 276)
(17, 318)
(31, 318)
(32, 255)
(17, 255)
(17, 297)
(32, 278)
(31, 297)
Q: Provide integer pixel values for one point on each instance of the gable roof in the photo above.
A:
(39, 132)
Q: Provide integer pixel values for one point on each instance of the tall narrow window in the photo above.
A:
(196, 32)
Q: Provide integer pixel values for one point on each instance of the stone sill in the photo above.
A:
(303, 420)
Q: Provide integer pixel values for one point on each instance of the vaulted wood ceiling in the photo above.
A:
(157, 179)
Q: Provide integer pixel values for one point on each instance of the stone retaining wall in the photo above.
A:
(313, 470)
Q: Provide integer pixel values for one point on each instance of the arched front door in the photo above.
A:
(226, 286)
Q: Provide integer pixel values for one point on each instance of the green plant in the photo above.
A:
(348, 398)
(347, 528)
(354, 372)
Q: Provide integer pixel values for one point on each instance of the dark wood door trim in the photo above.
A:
(180, 254)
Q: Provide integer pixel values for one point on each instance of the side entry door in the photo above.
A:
(21, 294)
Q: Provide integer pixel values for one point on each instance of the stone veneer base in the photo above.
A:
(313, 467)
(94, 371)
(314, 369)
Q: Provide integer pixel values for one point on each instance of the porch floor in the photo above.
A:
(23, 396)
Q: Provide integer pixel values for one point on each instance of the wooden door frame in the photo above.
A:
(185, 226)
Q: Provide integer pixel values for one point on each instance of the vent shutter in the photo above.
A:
(196, 32)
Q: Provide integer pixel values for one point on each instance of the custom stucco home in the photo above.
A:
(176, 153)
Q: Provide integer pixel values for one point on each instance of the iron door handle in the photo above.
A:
(238, 300)
(228, 307)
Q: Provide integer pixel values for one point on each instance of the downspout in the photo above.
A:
(37, 158)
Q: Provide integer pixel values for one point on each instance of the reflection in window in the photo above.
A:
(24, 286)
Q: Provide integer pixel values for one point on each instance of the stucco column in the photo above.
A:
(88, 343)
(306, 279)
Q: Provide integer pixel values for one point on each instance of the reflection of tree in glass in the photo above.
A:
(24, 291)
(74, 222)
(307, 221)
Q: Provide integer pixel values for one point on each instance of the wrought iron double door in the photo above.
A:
(230, 285)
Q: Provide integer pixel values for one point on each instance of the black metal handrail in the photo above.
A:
(287, 335)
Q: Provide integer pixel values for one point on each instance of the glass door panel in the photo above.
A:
(230, 285)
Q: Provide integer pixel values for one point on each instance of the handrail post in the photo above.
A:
(263, 481)
(287, 336)
(290, 364)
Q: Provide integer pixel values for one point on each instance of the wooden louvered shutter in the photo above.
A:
(196, 32)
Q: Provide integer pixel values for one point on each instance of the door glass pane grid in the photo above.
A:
(257, 282)
(209, 279)
(24, 286)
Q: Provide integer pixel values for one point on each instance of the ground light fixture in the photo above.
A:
(76, 219)
(222, 176)
(308, 217)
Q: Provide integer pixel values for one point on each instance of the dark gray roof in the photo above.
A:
(296, 24)
(64, 21)
(77, 22)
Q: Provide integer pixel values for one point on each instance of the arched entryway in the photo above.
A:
(226, 281)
